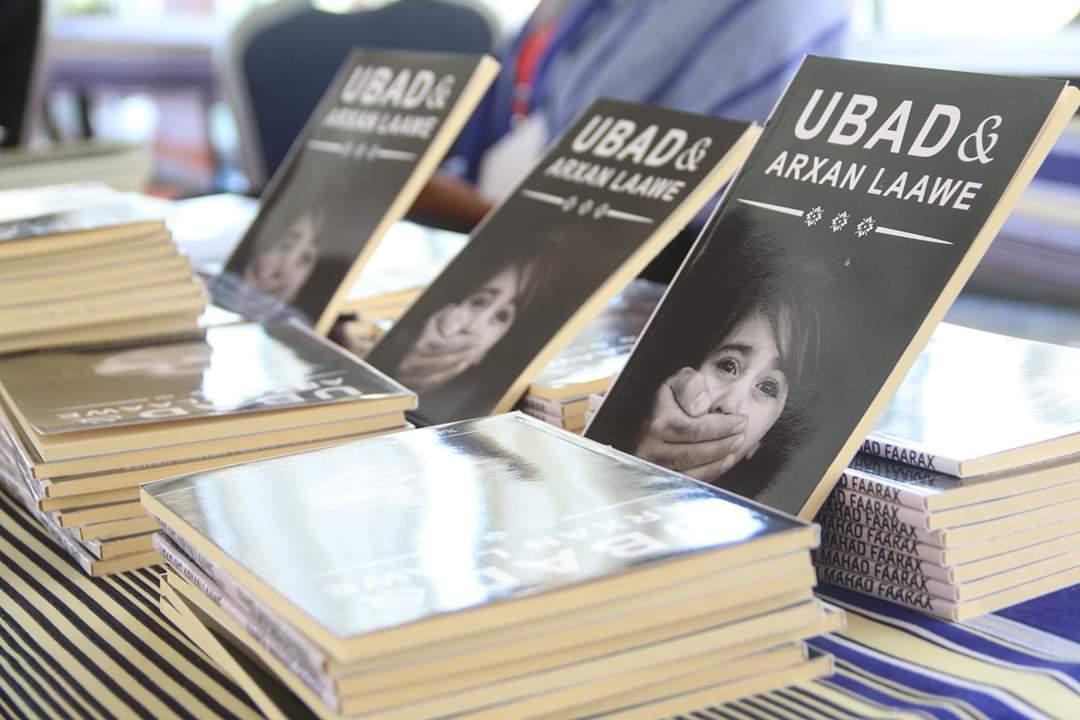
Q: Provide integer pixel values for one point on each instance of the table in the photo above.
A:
(78, 647)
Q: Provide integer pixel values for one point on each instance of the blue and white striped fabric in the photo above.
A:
(79, 647)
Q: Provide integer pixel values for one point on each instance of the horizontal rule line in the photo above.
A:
(543, 197)
(910, 235)
(775, 208)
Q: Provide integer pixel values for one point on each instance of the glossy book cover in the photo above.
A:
(863, 208)
(376, 534)
(979, 400)
(380, 130)
(238, 368)
(604, 199)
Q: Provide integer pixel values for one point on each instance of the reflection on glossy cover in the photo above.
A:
(375, 534)
(603, 346)
(235, 369)
(113, 210)
(972, 394)
(866, 203)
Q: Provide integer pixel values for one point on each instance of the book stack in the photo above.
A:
(965, 498)
(79, 265)
(123, 166)
(560, 394)
(462, 571)
(83, 428)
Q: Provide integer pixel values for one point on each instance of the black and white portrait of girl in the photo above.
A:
(728, 392)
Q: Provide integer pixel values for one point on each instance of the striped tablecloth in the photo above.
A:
(76, 647)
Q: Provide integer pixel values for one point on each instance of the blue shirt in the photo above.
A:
(726, 58)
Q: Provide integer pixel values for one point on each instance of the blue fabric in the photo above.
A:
(728, 58)
(289, 65)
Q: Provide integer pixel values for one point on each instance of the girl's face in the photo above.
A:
(743, 376)
(486, 314)
(283, 269)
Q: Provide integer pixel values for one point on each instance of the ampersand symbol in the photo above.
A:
(983, 139)
(690, 158)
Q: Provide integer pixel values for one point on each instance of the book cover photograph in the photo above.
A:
(235, 369)
(862, 210)
(977, 402)
(608, 196)
(358, 538)
(380, 130)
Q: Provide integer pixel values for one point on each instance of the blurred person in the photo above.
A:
(725, 58)
(20, 22)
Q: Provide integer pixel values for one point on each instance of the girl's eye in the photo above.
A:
(728, 365)
(504, 315)
(479, 302)
(770, 388)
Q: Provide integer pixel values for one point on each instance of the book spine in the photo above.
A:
(839, 527)
(286, 644)
(878, 506)
(885, 490)
(906, 597)
(909, 454)
(841, 505)
(68, 544)
(541, 405)
(878, 553)
(885, 572)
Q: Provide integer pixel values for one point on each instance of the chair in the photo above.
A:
(21, 28)
(280, 59)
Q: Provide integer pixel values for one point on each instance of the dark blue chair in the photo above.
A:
(281, 58)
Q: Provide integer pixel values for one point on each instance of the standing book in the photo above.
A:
(377, 135)
(602, 202)
(866, 205)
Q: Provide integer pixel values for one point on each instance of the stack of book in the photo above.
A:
(82, 429)
(462, 571)
(80, 266)
(123, 166)
(965, 498)
(560, 394)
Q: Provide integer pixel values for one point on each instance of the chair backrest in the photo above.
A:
(280, 59)
(20, 68)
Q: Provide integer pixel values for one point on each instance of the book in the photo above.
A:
(116, 218)
(610, 193)
(977, 402)
(240, 379)
(377, 134)
(359, 589)
(225, 636)
(930, 491)
(865, 206)
(124, 166)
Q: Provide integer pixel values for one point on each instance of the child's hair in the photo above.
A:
(792, 311)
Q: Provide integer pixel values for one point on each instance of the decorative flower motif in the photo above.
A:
(814, 216)
(601, 211)
(569, 203)
(865, 226)
(840, 220)
(585, 208)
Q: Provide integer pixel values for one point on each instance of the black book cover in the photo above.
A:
(612, 191)
(867, 202)
(380, 130)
